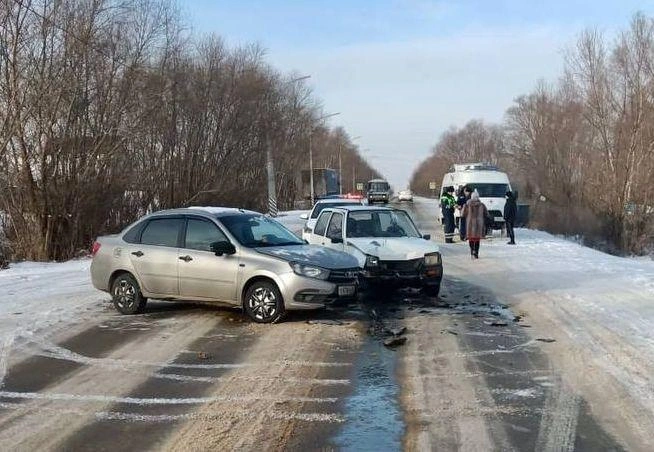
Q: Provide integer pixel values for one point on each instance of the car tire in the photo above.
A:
(126, 295)
(431, 290)
(263, 302)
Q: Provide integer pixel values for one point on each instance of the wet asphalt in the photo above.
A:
(494, 338)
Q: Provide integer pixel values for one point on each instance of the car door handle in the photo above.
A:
(186, 258)
(138, 253)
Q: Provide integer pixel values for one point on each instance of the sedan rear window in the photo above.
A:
(162, 232)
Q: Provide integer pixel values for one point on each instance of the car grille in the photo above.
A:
(403, 267)
(495, 214)
(346, 275)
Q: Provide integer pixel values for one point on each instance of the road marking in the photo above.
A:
(51, 350)
(134, 417)
(158, 400)
(481, 374)
(312, 381)
(558, 425)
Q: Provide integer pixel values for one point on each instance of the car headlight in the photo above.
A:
(372, 261)
(433, 259)
(309, 271)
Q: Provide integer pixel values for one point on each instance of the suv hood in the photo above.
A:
(312, 255)
(394, 248)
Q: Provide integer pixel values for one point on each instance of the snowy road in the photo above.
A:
(78, 376)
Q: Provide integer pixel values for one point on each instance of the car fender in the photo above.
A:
(357, 253)
(247, 277)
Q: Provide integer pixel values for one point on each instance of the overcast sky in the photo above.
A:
(401, 72)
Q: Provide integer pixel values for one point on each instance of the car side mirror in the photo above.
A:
(337, 240)
(427, 236)
(304, 216)
(223, 247)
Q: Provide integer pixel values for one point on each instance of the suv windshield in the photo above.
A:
(490, 190)
(323, 205)
(380, 223)
(254, 231)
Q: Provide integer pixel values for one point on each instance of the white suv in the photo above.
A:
(312, 216)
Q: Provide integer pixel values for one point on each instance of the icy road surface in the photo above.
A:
(543, 346)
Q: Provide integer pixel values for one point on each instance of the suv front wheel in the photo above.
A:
(263, 302)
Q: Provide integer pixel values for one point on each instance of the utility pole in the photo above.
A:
(311, 167)
(311, 155)
(270, 165)
(340, 170)
(340, 165)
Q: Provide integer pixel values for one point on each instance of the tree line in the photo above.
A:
(581, 150)
(110, 109)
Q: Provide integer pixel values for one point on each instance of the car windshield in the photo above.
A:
(323, 205)
(490, 190)
(254, 231)
(380, 223)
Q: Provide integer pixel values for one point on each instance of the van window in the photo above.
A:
(489, 190)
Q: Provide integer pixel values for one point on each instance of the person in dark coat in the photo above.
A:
(510, 212)
(475, 213)
(464, 196)
(448, 203)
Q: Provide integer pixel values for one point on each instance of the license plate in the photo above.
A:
(499, 219)
(346, 291)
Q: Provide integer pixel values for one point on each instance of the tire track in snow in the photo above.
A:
(558, 426)
(5, 349)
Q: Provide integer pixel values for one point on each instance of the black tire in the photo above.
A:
(126, 295)
(263, 302)
(431, 290)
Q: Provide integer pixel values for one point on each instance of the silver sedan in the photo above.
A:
(231, 256)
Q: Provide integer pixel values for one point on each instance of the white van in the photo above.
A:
(491, 184)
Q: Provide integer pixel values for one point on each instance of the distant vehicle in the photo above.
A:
(312, 216)
(405, 195)
(386, 244)
(491, 184)
(325, 183)
(224, 255)
(378, 190)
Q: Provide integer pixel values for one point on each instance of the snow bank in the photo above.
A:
(35, 297)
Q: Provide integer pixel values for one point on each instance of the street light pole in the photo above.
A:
(311, 167)
(270, 164)
(313, 194)
(340, 165)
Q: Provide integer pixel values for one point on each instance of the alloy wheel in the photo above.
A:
(263, 303)
(125, 294)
